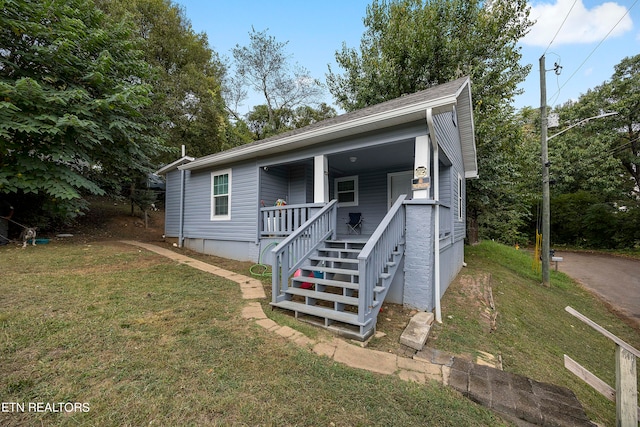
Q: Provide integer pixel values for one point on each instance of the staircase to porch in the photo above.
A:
(338, 284)
(326, 292)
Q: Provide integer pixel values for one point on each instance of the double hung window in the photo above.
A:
(221, 195)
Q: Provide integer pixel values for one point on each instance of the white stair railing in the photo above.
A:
(376, 254)
(293, 251)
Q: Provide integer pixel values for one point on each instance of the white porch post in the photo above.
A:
(320, 179)
(421, 167)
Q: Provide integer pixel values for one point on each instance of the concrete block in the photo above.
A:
(417, 331)
(434, 356)
(325, 349)
(370, 360)
(412, 365)
(413, 376)
(268, 324)
(459, 380)
(285, 331)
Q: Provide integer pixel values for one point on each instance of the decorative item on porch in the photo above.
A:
(304, 285)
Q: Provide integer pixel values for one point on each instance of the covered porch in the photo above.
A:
(364, 181)
(329, 273)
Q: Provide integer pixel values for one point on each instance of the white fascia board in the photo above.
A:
(174, 165)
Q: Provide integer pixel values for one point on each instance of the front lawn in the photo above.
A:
(132, 338)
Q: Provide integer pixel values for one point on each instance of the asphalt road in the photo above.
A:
(615, 279)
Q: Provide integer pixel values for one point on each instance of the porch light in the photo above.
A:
(353, 159)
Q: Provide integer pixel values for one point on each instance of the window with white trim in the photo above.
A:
(346, 191)
(221, 195)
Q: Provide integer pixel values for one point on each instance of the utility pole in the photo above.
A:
(546, 216)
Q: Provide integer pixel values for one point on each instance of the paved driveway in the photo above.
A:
(614, 279)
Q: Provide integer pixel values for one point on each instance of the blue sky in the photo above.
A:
(589, 37)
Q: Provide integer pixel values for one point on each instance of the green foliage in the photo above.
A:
(595, 166)
(582, 219)
(410, 45)
(284, 119)
(188, 107)
(73, 84)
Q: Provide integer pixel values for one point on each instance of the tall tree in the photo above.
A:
(623, 95)
(595, 166)
(73, 84)
(265, 67)
(284, 119)
(410, 45)
(187, 92)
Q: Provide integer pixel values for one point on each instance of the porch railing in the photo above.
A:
(293, 251)
(280, 221)
(375, 256)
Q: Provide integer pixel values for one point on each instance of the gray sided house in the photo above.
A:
(349, 212)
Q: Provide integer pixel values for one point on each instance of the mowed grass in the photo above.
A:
(533, 331)
(143, 340)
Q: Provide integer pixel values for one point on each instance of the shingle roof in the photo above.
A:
(396, 111)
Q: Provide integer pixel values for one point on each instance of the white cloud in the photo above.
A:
(582, 25)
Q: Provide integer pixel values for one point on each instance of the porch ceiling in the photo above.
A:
(383, 157)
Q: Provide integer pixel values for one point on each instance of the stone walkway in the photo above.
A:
(519, 399)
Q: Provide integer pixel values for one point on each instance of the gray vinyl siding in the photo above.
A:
(172, 204)
(293, 183)
(274, 184)
(372, 195)
(449, 142)
(298, 184)
(290, 176)
(451, 260)
(244, 206)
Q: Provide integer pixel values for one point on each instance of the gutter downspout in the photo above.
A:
(182, 187)
(436, 197)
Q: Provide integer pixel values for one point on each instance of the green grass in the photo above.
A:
(533, 331)
(143, 340)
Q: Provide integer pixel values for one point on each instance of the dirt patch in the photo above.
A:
(476, 292)
(112, 219)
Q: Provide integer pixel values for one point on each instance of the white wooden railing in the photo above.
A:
(626, 392)
(293, 251)
(281, 221)
(374, 257)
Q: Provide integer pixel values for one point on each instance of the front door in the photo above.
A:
(398, 183)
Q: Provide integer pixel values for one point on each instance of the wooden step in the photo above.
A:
(346, 243)
(333, 259)
(314, 310)
(342, 250)
(320, 268)
(325, 296)
(327, 282)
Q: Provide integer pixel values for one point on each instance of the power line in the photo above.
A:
(561, 25)
(595, 48)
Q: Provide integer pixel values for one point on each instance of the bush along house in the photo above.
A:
(349, 212)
